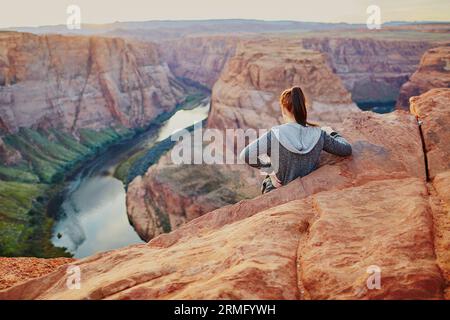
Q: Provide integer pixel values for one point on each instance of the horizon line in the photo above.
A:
(230, 19)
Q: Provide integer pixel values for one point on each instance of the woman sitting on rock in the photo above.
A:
(293, 147)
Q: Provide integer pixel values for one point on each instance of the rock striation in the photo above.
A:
(247, 92)
(433, 72)
(199, 58)
(373, 70)
(73, 82)
(62, 99)
(432, 110)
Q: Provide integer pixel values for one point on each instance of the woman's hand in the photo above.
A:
(328, 130)
(275, 181)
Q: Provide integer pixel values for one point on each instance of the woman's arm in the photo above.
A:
(251, 153)
(257, 148)
(335, 144)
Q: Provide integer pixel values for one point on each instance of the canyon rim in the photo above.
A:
(91, 105)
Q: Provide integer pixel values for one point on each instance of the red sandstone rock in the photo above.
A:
(433, 72)
(245, 96)
(198, 58)
(371, 69)
(316, 248)
(374, 158)
(320, 237)
(383, 226)
(440, 203)
(432, 109)
(170, 195)
(16, 270)
(247, 92)
(76, 82)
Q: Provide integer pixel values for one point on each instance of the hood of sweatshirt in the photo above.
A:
(297, 138)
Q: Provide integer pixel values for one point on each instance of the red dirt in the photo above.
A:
(16, 270)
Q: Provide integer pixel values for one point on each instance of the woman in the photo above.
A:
(294, 147)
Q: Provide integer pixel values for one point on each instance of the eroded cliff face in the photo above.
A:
(247, 92)
(433, 72)
(432, 110)
(63, 99)
(245, 96)
(372, 70)
(198, 58)
(320, 237)
(73, 82)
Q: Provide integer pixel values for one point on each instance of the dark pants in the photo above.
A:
(267, 185)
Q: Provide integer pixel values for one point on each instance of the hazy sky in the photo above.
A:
(50, 12)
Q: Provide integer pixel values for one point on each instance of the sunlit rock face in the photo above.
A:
(433, 72)
(365, 227)
(433, 111)
(17, 270)
(372, 70)
(247, 92)
(74, 82)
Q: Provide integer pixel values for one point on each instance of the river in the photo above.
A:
(92, 216)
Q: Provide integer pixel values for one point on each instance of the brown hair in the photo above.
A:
(293, 100)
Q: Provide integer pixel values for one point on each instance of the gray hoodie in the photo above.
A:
(293, 149)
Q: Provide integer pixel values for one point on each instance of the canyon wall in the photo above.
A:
(433, 72)
(247, 92)
(245, 96)
(200, 58)
(331, 70)
(62, 99)
(323, 236)
(432, 110)
(73, 82)
(372, 70)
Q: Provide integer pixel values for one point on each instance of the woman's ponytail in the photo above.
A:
(293, 100)
(299, 106)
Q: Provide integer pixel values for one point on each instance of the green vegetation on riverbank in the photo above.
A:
(124, 167)
(33, 167)
(27, 185)
(138, 162)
